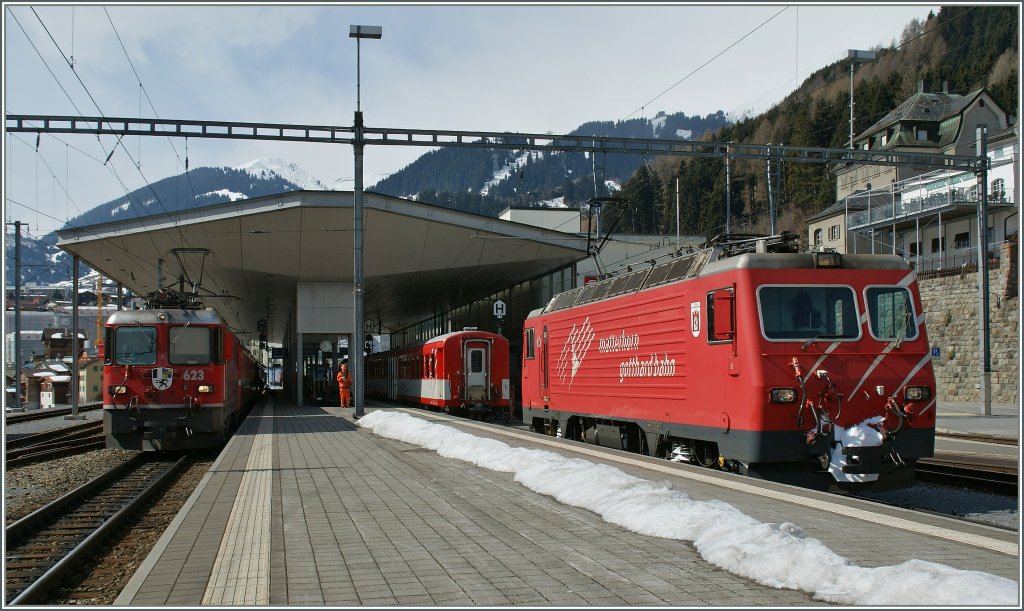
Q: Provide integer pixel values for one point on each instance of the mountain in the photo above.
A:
(44, 263)
(201, 187)
(967, 46)
(485, 181)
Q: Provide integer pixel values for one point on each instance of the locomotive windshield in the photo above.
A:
(189, 345)
(805, 312)
(135, 345)
(891, 313)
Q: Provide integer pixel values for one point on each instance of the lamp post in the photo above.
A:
(358, 32)
(856, 56)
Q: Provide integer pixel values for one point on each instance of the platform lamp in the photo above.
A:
(355, 360)
(857, 56)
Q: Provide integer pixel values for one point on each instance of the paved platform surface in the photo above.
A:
(1001, 421)
(305, 508)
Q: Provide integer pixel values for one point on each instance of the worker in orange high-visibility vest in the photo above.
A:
(344, 384)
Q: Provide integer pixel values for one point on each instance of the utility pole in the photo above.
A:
(355, 347)
(75, 373)
(985, 388)
(728, 192)
(856, 56)
(677, 212)
(768, 190)
(17, 313)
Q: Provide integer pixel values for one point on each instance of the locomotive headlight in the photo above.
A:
(205, 389)
(782, 395)
(917, 393)
(827, 259)
(117, 389)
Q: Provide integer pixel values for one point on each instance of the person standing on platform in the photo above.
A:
(344, 385)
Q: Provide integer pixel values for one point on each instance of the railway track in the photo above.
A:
(987, 474)
(14, 418)
(45, 546)
(55, 444)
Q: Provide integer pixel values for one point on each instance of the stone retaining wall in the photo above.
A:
(951, 317)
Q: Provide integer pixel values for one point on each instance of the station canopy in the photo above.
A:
(247, 257)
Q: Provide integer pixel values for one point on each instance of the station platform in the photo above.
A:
(1001, 422)
(308, 507)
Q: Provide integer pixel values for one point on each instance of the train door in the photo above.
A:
(543, 377)
(476, 356)
(392, 379)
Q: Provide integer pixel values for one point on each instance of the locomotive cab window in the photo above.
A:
(891, 312)
(135, 345)
(190, 346)
(797, 312)
(721, 316)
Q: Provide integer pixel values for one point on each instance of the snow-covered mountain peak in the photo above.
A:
(287, 170)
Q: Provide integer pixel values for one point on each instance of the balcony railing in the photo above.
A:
(904, 208)
(954, 261)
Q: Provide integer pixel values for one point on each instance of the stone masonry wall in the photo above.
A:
(951, 319)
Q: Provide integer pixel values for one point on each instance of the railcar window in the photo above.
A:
(189, 346)
(476, 361)
(135, 345)
(805, 312)
(891, 312)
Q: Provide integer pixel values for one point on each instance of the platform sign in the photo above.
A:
(499, 309)
(936, 352)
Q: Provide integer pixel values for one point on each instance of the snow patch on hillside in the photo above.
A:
(510, 168)
(231, 195)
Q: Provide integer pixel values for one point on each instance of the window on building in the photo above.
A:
(914, 248)
(885, 139)
(997, 191)
(817, 236)
(833, 232)
(922, 134)
(937, 245)
(962, 240)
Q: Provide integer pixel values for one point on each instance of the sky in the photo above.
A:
(779, 555)
(533, 68)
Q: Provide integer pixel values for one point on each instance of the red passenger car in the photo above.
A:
(812, 368)
(459, 372)
(174, 378)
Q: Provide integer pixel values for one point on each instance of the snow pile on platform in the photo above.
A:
(778, 555)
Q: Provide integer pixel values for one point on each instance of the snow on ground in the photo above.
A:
(779, 555)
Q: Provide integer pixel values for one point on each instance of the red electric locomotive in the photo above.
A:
(174, 377)
(460, 372)
(810, 368)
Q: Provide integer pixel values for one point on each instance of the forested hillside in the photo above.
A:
(968, 47)
(485, 181)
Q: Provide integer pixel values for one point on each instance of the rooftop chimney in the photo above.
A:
(945, 86)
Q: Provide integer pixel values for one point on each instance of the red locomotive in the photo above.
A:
(811, 368)
(174, 377)
(463, 372)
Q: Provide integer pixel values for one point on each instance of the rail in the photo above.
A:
(47, 545)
